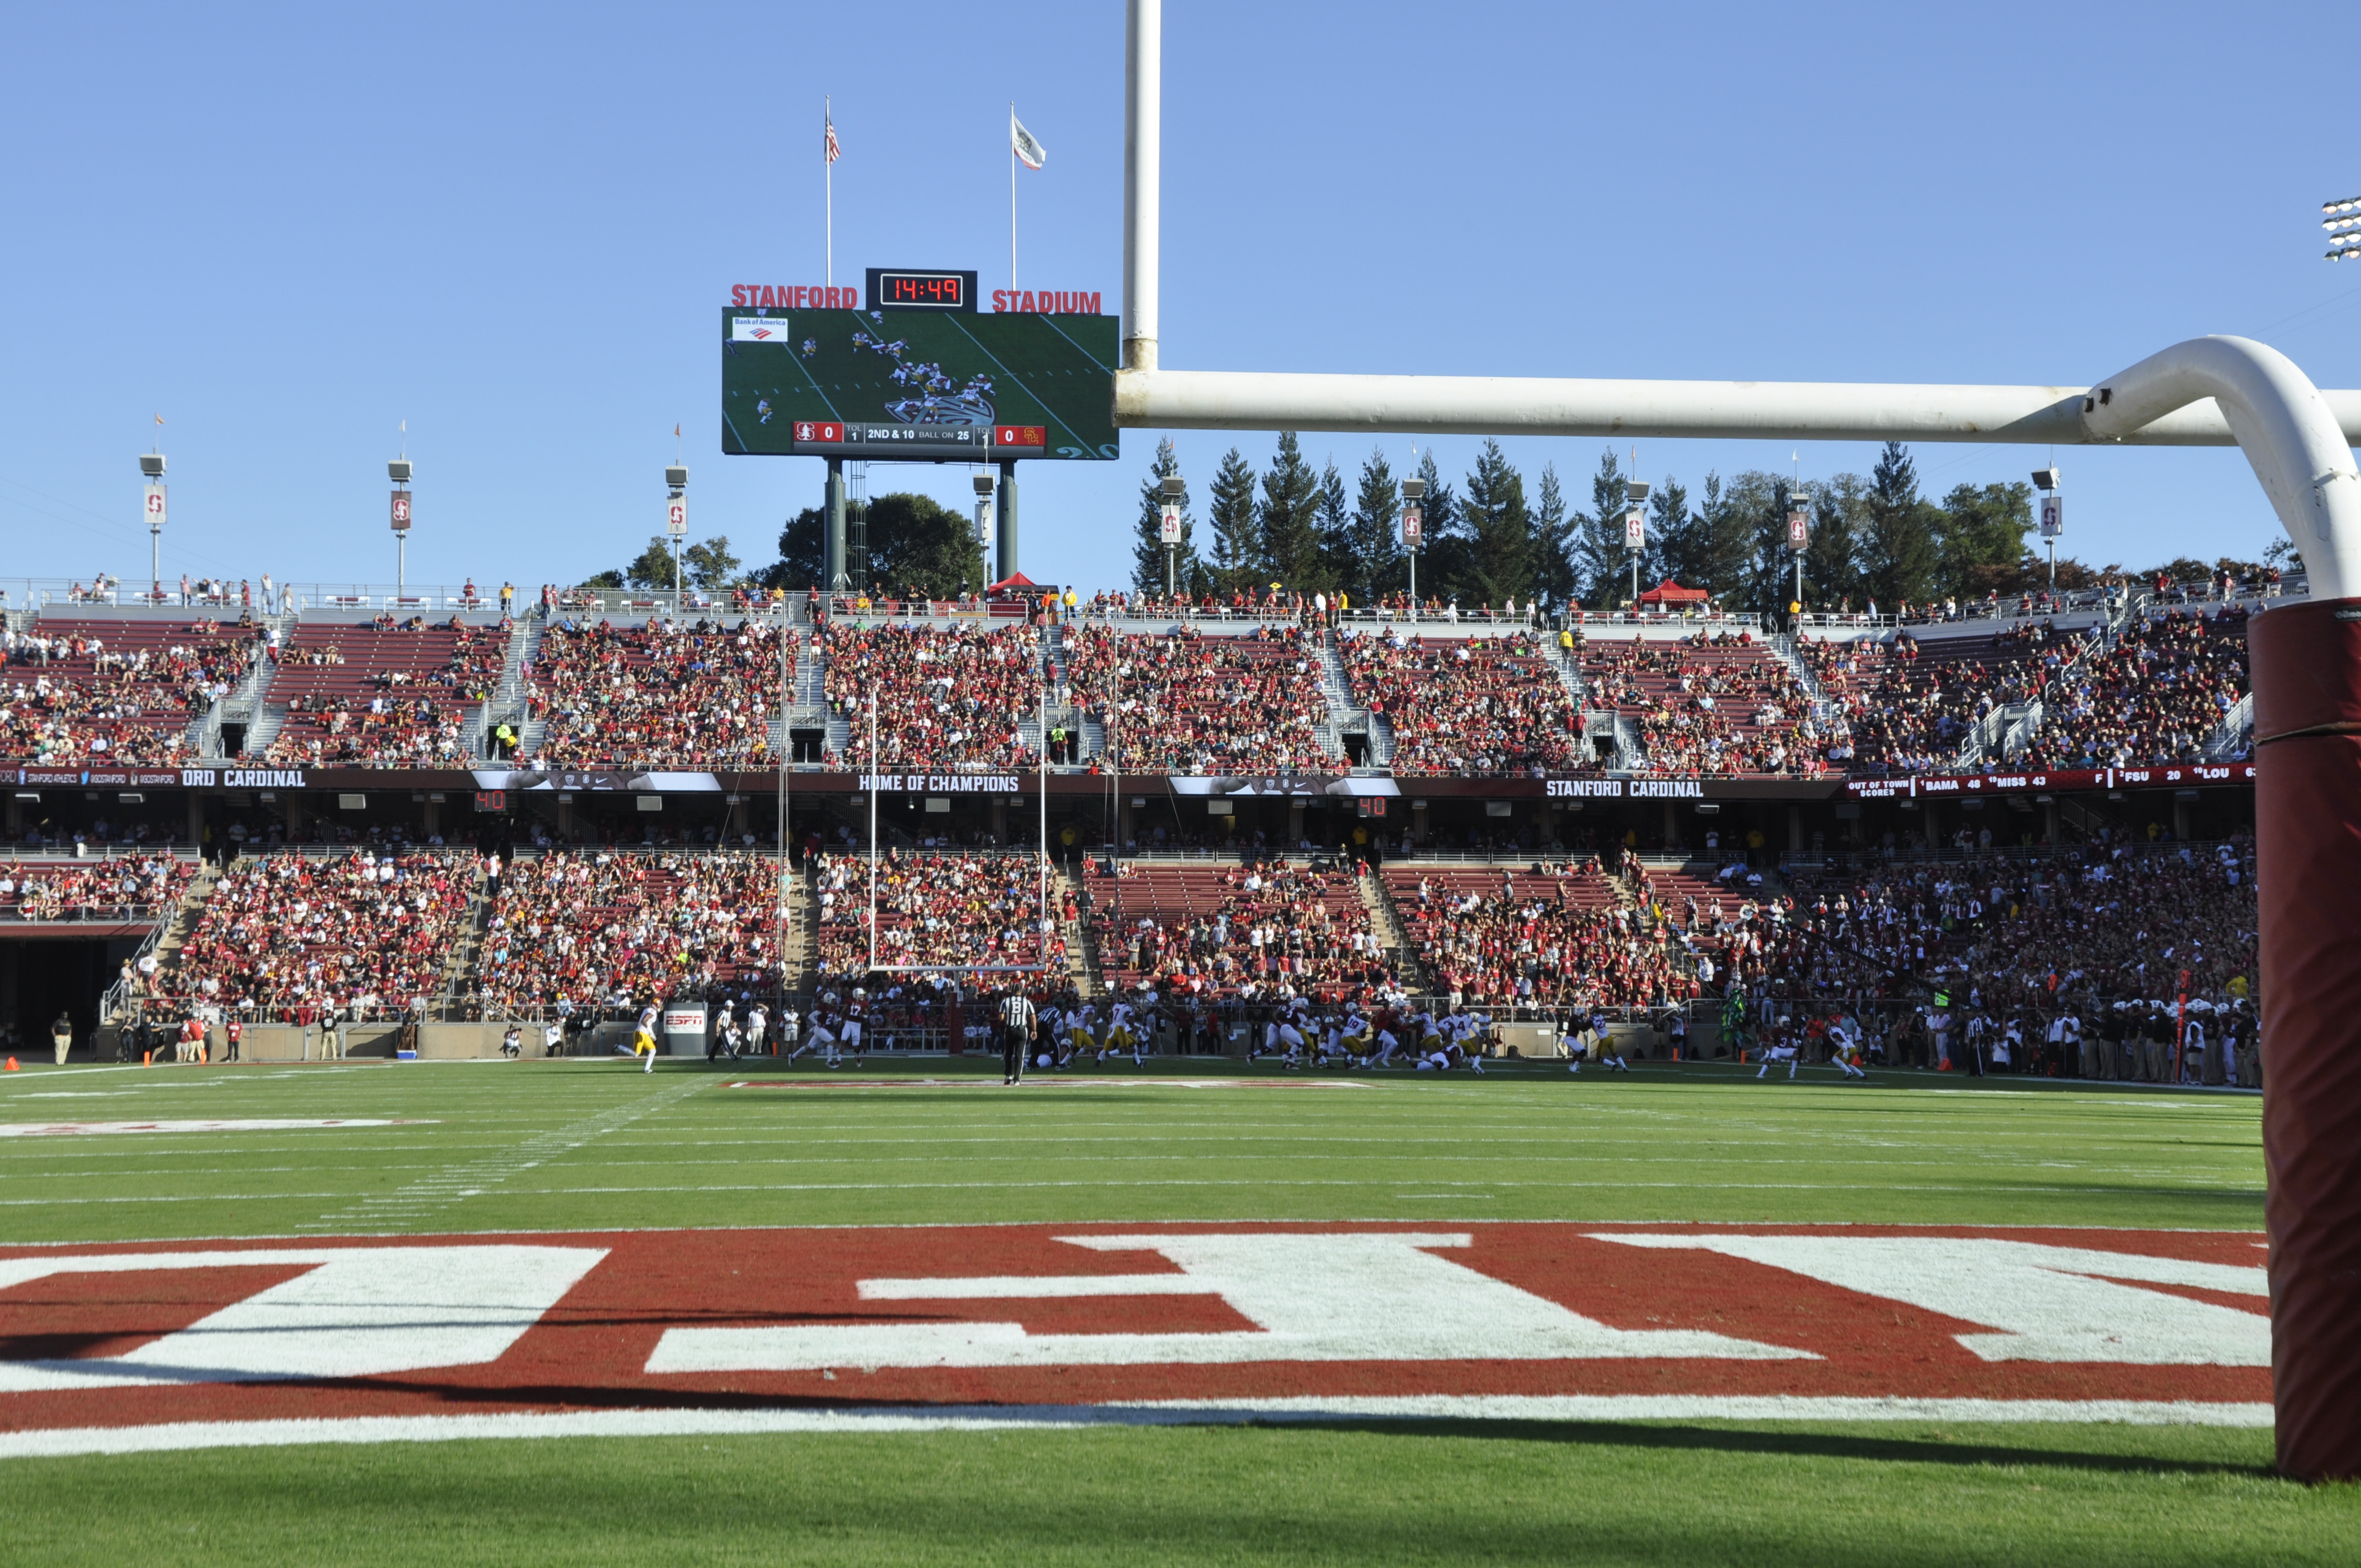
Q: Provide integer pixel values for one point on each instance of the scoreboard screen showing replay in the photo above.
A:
(946, 385)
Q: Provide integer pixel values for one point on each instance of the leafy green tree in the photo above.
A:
(612, 577)
(1237, 540)
(915, 541)
(1290, 516)
(654, 568)
(1500, 531)
(1147, 549)
(1981, 535)
(1377, 552)
(709, 563)
(1898, 554)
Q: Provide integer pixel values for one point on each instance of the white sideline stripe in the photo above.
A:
(274, 1124)
(177, 1436)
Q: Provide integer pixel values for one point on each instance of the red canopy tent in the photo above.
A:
(1669, 592)
(1015, 581)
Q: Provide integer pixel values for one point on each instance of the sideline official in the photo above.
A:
(1015, 1034)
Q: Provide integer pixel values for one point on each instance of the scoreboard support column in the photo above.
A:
(1005, 543)
(837, 580)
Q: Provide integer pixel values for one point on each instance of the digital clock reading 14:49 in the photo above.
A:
(911, 289)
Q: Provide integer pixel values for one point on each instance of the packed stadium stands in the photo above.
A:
(1468, 704)
(115, 889)
(2156, 697)
(1567, 938)
(1223, 930)
(364, 935)
(956, 697)
(1194, 704)
(597, 928)
(934, 908)
(702, 695)
(1707, 704)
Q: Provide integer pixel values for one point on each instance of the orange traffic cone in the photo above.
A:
(12, 1064)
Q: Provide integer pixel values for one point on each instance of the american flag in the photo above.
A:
(834, 151)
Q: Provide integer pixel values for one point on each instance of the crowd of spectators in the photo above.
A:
(117, 888)
(403, 706)
(948, 697)
(1269, 930)
(1714, 703)
(593, 930)
(1466, 704)
(359, 936)
(1903, 709)
(125, 692)
(2111, 936)
(2156, 696)
(701, 697)
(1189, 704)
(935, 908)
(1560, 939)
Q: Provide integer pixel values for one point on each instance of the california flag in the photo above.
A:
(1031, 153)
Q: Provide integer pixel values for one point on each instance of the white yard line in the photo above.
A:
(645, 1423)
(409, 1204)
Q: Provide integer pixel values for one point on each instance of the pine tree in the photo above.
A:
(1237, 539)
(1442, 551)
(1831, 571)
(1147, 550)
(1500, 531)
(1672, 534)
(1898, 554)
(1553, 568)
(1600, 564)
(1377, 552)
(1334, 526)
(1291, 518)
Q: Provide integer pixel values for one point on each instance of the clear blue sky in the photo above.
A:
(289, 229)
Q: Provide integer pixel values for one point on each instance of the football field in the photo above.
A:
(565, 1312)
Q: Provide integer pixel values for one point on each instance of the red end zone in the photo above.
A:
(194, 1344)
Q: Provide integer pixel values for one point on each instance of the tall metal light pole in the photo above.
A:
(675, 524)
(1413, 527)
(151, 465)
(1176, 490)
(2053, 515)
(399, 472)
(985, 486)
(1799, 538)
(1635, 530)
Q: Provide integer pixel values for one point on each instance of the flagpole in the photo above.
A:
(827, 164)
(1012, 196)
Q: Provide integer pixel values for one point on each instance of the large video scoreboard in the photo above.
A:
(925, 376)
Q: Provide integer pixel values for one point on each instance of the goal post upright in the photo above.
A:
(2306, 658)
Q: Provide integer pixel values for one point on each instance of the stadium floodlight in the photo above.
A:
(985, 484)
(2053, 515)
(399, 472)
(151, 468)
(1413, 532)
(1175, 491)
(676, 523)
(2350, 205)
(2341, 219)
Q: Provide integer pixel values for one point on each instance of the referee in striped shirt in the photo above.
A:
(1015, 1036)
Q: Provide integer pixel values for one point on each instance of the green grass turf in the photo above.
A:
(612, 1147)
(1814, 1496)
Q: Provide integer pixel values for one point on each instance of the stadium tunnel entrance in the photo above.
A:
(42, 975)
